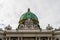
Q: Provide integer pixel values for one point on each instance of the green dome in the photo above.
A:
(29, 15)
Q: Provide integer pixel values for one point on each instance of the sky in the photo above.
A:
(47, 11)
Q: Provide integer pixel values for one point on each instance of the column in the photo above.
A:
(21, 38)
(51, 38)
(36, 38)
(18, 38)
(9, 38)
(48, 38)
(39, 38)
(6, 38)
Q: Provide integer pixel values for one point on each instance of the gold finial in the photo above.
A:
(28, 9)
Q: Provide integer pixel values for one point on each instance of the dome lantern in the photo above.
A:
(28, 9)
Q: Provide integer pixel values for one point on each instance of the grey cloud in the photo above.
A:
(48, 11)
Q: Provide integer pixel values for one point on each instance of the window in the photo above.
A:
(57, 39)
(43, 39)
(0, 39)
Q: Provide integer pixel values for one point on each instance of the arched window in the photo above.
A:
(57, 39)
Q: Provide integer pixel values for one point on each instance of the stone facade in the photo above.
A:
(30, 34)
